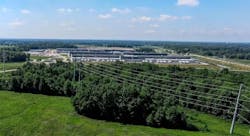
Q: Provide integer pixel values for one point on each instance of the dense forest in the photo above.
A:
(145, 49)
(222, 51)
(180, 86)
(37, 44)
(108, 99)
(128, 94)
(13, 54)
(55, 79)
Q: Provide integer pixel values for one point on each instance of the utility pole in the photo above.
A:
(79, 74)
(79, 78)
(74, 69)
(236, 110)
(3, 62)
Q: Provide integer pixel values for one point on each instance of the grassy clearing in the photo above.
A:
(242, 61)
(235, 66)
(11, 65)
(29, 114)
(35, 57)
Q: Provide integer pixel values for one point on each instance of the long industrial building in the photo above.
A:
(113, 55)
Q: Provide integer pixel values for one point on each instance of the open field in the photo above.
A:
(29, 114)
(232, 65)
(242, 61)
(35, 57)
(13, 65)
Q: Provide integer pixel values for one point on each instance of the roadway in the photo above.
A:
(10, 70)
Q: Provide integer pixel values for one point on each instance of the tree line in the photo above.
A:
(26, 45)
(118, 91)
(240, 51)
(13, 54)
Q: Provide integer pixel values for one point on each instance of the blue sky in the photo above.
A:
(173, 20)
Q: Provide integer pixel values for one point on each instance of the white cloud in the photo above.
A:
(16, 23)
(164, 17)
(25, 11)
(191, 3)
(145, 18)
(142, 19)
(105, 16)
(121, 11)
(161, 18)
(67, 10)
(154, 25)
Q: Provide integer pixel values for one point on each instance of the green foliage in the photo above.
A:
(38, 115)
(13, 54)
(117, 99)
(145, 49)
(26, 45)
(230, 51)
(11, 65)
(54, 79)
(104, 98)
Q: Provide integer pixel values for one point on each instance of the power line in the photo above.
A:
(164, 78)
(182, 92)
(243, 118)
(194, 82)
(244, 107)
(169, 92)
(198, 82)
(189, 85)
(213, 95)
(221, 79)
(247, 89)
(153, 76)
(194, 103)
(199, 92)
(246, 98)
(197, 104)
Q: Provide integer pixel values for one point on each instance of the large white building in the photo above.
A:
(87, 55)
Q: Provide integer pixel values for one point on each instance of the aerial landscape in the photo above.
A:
(124, 68)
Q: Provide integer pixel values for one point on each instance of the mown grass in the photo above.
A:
(35, 57)
(243, 61)
(11, 65)
(29, 114)
(231, 64)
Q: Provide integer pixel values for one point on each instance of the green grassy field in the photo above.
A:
(13, 65)
(29, 114)
(240, 61)
(34, 57)
(230, 64)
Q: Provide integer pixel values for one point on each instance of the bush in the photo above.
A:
(104, 98)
